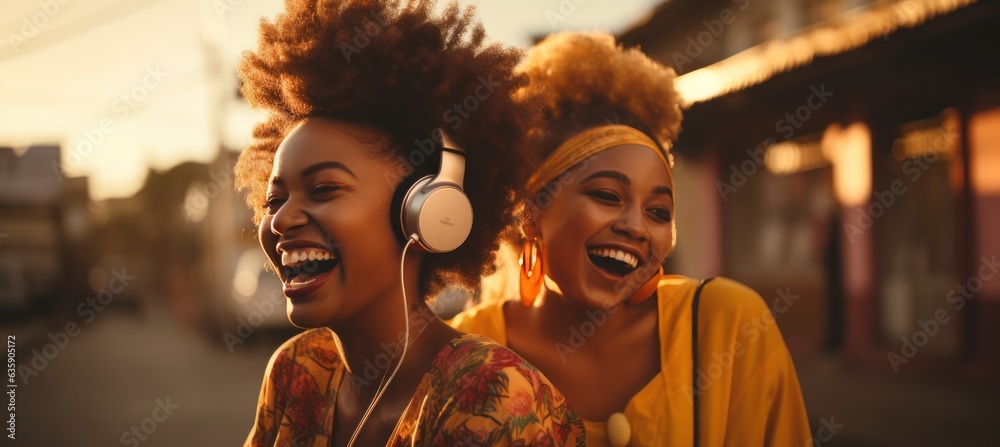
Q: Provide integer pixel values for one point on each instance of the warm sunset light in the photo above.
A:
(849, 150)
(746, 222)
(984, 148)
(857, 27)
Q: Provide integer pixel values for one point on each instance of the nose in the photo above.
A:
(631, 224)
(288, 217)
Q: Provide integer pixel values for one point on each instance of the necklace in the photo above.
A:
(619, 430)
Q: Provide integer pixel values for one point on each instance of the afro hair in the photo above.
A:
(588, 80)
(401, 69)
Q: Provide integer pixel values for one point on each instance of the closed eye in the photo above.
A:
(605, 196)
(325, 189)
(661, 214)
(273, 203)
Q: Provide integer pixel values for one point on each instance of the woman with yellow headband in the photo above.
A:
(646, 359)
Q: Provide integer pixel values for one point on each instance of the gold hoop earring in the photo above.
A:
(530, 277)
(646, 290)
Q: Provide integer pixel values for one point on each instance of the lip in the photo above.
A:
(618, 283)
(298, 291)
(282, 247)
(615, 281)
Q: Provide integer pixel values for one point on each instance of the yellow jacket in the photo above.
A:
(749, 393)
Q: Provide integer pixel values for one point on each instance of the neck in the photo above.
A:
(371, 354)
(562, 314)
(370, 342)
(371, 345)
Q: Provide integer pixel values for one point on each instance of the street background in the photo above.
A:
(844, 152)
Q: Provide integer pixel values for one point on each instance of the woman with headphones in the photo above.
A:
(646, 359)
(381, 175)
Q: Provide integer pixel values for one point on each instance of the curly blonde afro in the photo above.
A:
(398, 68)
(588, 80)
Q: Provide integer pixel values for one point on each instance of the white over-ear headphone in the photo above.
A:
(437, 215)
(436, 208)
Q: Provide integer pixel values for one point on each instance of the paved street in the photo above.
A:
(122, 367)
(128, 369)
(882, 409)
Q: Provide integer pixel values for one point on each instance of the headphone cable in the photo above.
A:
(406, 339)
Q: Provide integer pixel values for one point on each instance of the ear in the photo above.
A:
(529, 223)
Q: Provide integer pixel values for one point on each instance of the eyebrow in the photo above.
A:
(312, 169)
(663, 190)
(615, 175)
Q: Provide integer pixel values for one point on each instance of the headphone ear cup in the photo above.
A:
(435, 207)
(397, 211)
(441, 215)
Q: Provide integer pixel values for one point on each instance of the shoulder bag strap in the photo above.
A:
(694, 355)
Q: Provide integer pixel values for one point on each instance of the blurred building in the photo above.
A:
(44, 221)
(188, 238)
(847, 152)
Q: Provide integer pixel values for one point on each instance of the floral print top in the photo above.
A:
(476, 393)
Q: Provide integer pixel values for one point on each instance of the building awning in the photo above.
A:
(845, 32)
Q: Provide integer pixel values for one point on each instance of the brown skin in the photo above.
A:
(625, 206)
(347, 209)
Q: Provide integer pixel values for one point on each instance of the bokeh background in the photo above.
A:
(841, 157)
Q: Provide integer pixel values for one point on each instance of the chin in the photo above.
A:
(602, 300)
(592, 297)
(307, 316)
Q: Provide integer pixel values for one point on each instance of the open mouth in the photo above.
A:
(613, 261)
(301, 266)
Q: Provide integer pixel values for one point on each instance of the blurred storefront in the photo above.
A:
(44, 223)
(847, 153)
(184, 241)
(208, 267)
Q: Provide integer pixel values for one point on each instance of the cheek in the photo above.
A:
(663, 240)
(563, 239)
(363, 230)
(574, 218)
(264, 234)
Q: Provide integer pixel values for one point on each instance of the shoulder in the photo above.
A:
(721, 299)
(311, 353)
(489, 386)
(479, 312)
(313, 345)
(725, 297)
(485, 318)
(296, 375)
(736, 318)
(480, 354)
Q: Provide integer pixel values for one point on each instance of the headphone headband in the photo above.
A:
(436, 209)
(452, 167)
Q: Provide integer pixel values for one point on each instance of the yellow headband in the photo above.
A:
(586, 144)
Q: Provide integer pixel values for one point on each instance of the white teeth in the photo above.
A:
(293, 258)
(619, 255)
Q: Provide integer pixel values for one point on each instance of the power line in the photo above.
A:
(103, 17)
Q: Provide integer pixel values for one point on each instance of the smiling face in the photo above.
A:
(610, 224)
(326, 225)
